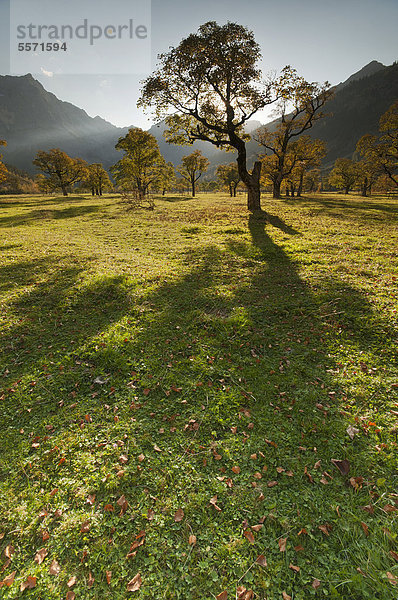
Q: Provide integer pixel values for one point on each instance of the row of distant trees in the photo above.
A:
(376, 159)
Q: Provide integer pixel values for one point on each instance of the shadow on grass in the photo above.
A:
(176, 198)
(337, 207)
(50, 214)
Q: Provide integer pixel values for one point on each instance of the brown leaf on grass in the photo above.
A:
(222, 595)
(192, 540)
(236, 470)
(303, 531)
(70, 595)
(394, 555)
(317, 464)
(315, 584)
(108, 575)
(122, 502)
(72, 581)
(6, 565)
(151, 514)
(308, 474)
(9, 551)
(179, 515)
(249, 536)
(294, 568)
(286, 596)
(141, 457)
(90, 580)
(55, 568)
(271, 484)
(257, 528)
(342, 465)
(282, 544)
(45, 535)
(123, 459)
(213, 502)
(156, 448)
(257, 475)
(391, 578)
(280, 469)
(253, 456)
(369, 508)
(29, 584)
(135, 583)
(261, 560)
(109, 508)
(9, 580)
(356, 482)
(324, 529)
(91, 499)
(41, 555)
(299, 548)
(85, 527)
(389, 508)
(365, 528)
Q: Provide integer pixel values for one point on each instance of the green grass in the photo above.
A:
(145, 354)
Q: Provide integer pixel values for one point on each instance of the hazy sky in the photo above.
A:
(322, 39)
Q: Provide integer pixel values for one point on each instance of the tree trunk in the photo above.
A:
(64, 190)
(300, 185)
(230, 191)
(287, 193)
(276, 191)
(193, 188)
(92, 191)
(346, 190)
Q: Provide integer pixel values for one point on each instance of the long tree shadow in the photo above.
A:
(343, 207)
(49, 214)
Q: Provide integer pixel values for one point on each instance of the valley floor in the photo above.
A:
(198, 403)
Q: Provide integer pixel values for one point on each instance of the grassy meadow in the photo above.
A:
(174, 386)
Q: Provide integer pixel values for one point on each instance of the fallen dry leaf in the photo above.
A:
(352, 431)
(9, 580)
(222, 596)
(282, 544)
(85, 527)
(29, 584)
(71, 581)
(108, 575)
(365, 528)
(55, 568)
(342, 465)
(391, 578)
(315, 584)
(261, 560)
(91, 499)
(41, 555)
(286, 596)
(192, 540)
(294, 568)
(271, 484)
(394, 555)
(90, 580)
(257, 528)
(135, 583)
(9, 551)
(122, 502)
(70, 595)
(249, 536)
(236, 470)
(179, 515)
